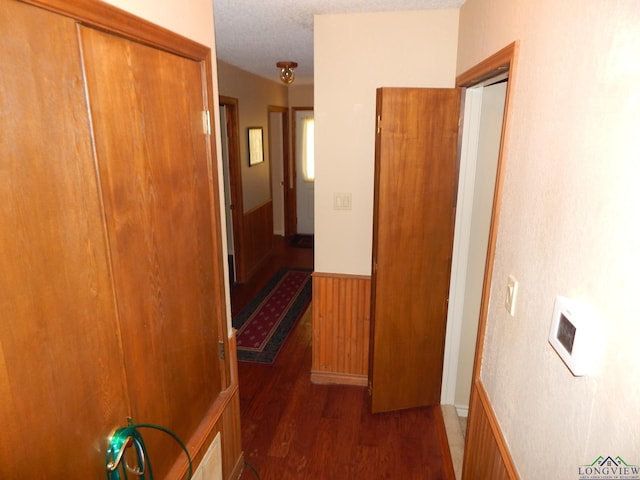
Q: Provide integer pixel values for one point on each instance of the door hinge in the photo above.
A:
(378, 124)
(221, 351)
(206, 122)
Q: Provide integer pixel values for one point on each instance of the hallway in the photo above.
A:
(293, 429)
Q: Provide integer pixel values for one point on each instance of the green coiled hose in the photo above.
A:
(125, 437)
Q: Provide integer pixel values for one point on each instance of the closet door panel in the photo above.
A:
(415, 186)
(146, 108)
(56, 299)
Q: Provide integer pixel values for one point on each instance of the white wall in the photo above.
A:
(354, 55)
(301, 95)
(569, 225)
(193, 19)
(254, 95)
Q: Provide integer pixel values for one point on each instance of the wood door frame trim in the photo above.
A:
(284, 113)
(220, 296)
(499, 63)
(106, 17)
(235, 185)
(292, 213)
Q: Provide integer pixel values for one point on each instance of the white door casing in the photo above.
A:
(481, 136)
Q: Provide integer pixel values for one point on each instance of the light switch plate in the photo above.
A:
(511, 294)
(342, 201)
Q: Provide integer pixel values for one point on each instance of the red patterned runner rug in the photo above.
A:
(265, 323)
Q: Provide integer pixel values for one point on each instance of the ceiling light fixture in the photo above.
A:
(286, 71)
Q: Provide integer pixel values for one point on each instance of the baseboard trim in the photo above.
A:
(334, 378)
(462, 410)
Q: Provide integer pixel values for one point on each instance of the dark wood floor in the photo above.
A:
(283, 256)
(293, 429)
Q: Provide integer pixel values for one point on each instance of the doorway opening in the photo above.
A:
(302, 177)
(229, 121)
(279, 165)
(487, 94)
(481, 137)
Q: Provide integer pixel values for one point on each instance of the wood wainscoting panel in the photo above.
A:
(258, 235)
(486, 454)
(341, 325)
(224, 418)
(232, 455)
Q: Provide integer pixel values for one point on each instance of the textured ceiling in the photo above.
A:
(255, 34)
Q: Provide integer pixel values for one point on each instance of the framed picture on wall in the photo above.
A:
(256, 150)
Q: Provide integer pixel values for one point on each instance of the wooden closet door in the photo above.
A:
(57, 307)
(146, 106)
(415, 188)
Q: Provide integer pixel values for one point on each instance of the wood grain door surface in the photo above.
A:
(414, 201)
(110, 290)
(56, 298)
(153, 169)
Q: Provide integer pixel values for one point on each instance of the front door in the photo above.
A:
(414, 201)
(305, 174)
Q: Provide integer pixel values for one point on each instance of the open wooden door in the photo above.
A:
(414, 203)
